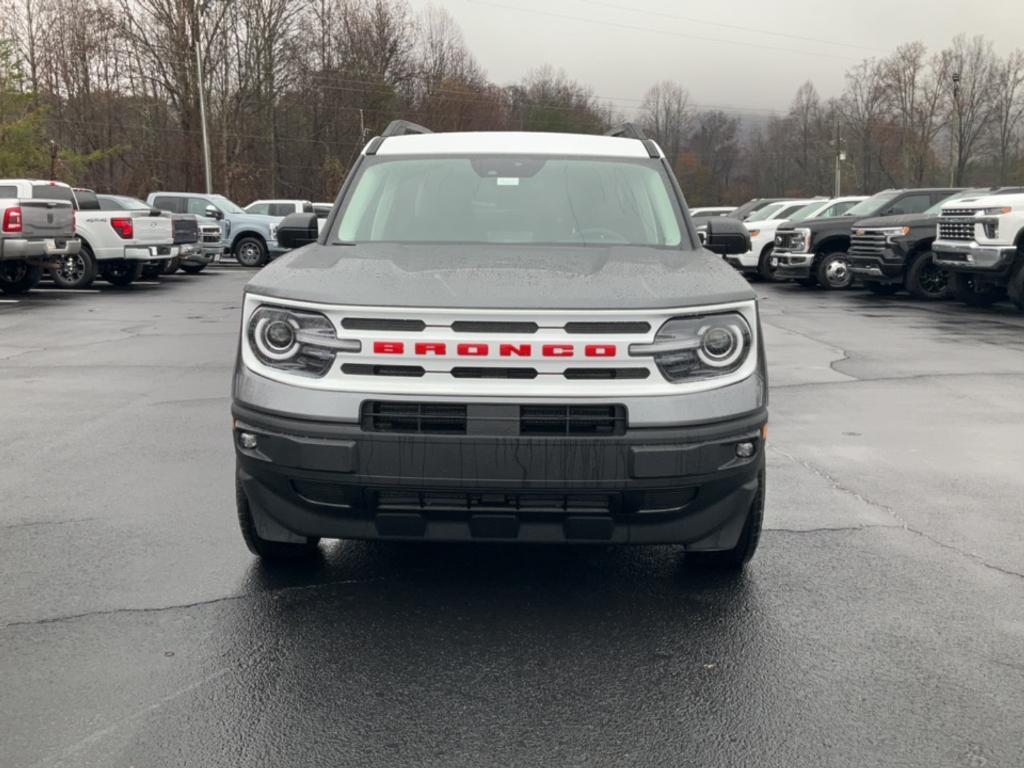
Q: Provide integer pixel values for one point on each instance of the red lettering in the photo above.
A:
(519, 350)
(557, 350)
(472, 350)
(600, 350)
(388, 347)
(430, 348)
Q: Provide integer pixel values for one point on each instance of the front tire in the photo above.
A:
(77, 271)
(1015, 288)
(251, 252)
(764, 265)
(121, 273)
(973, 292)
(172, 266)
(736, 558)
(270, 551)
(17, 277)
(833, 272)
(926, 280)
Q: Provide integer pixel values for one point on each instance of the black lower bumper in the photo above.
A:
(334, 480)
(886, 269)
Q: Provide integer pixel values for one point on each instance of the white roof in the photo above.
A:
(512, 143)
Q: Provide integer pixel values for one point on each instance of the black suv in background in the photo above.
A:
(889, 253)
(815, 253)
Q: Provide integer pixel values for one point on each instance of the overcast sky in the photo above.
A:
(620, 47)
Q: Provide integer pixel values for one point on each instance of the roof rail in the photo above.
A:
(626, 131)
(403, 128)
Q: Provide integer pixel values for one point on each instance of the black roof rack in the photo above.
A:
(403, 128)
(626, 131)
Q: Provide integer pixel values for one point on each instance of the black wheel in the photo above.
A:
(271, 551)
(734, 559)
(1015, 288)
(153, 269)
(76, 271)
(19, 277)
(833, 272)
(193, 269)
(926, 280)
(882, 289)
(973, 292)
(121, 272)
(764, 264)
(172, 266)
(251, 252)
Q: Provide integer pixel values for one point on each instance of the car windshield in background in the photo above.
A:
(807, 211)
(872, 204)
(225, 205)
(523, 200)
(768, 212)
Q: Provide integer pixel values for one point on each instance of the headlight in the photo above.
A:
(273, 231)
(994, 211)
(296, 341)
(227, 228)
(689, 348)
(805, 237)
(755, 232)
(893, 232)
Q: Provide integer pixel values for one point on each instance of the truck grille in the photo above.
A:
(461, 419)
(958, 212)
(866, 242)
(956, 230)
(211, 235)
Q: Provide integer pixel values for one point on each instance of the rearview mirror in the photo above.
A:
(297, 229)
(726, 236)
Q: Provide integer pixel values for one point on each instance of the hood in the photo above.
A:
(1015, 201)
(501, 276)
(826, 223)
(902, 220)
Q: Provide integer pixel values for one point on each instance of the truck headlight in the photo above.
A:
(273, 231)
(891, 233)
(1001, 210)
(689, 348)
(805, 238)
(295, 340)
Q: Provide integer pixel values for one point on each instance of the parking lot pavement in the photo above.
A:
(881, 623)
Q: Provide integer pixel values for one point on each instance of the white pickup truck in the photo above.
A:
(38, 227)
(116, 245)
(980, 243)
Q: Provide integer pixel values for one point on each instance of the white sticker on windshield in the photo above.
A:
(508, 181)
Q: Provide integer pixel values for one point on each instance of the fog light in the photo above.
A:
(745, 450)
(248, 441)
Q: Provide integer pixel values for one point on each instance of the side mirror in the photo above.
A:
(297, 229)
(727, 237)
(214, 212)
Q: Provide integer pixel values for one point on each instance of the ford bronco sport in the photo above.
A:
(503, 337)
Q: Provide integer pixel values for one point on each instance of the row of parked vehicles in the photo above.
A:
(933, 243)
(77, 236)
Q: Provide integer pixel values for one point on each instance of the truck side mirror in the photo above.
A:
(726, 236)
(297, 229)
(214, 212)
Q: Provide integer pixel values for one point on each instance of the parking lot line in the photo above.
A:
(66, 290)
(9, 301)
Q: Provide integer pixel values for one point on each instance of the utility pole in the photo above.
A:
(200, 7)
(362, 127)
(840, 157)
(954, 131)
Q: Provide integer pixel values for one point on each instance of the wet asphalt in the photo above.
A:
(881, 623)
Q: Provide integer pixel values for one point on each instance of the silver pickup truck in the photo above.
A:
(37, 229)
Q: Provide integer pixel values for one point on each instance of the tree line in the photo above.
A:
(105, 93)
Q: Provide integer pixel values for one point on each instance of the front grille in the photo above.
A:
(956, 230)
(958, 211)
(867, 243)
(506, 420)
(211, 235)
(483, 501)
(489, 372)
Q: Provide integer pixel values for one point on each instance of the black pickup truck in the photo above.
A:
(890, 253)
(815, 252)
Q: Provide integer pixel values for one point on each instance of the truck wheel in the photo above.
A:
(926, 280)
(882, 289)
(172, 266)
(193, 269)
(1015, 288)
(764, 264)
(153, 269)
(19, 277)
(973, 292)
(833, 272)
(270, 551)
(77, 271)
(734, 559)
(121, 272)
(251, 252)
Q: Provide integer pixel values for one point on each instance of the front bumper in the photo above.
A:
(201, 253)
(792, 266)
(973, 257)
(682, 485)
(43, 249)
(885, 268)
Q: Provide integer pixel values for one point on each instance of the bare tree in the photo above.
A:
(1008, 112)
(667, 117)
(974, 62)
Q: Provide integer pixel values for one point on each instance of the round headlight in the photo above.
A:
(720, 345)
(275, 337)
(279, 335)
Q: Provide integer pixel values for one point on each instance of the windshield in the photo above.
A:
(872, 204)
(967, 193)
(225, 205)
(808, 210)
(768, 212)
(512, 199)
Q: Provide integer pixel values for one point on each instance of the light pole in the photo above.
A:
(954, 138)
(200, 7)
